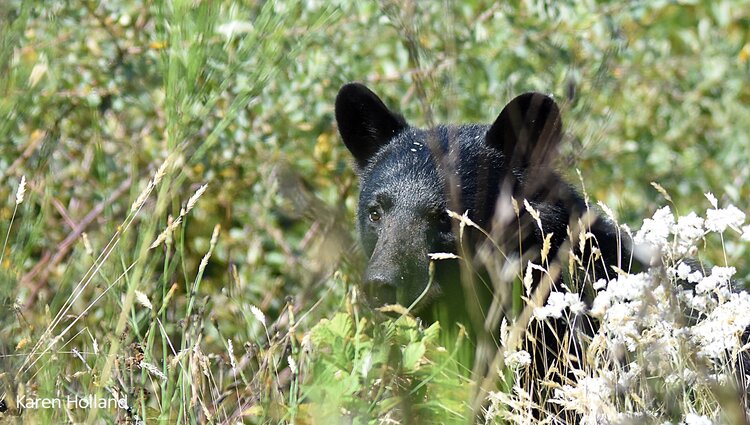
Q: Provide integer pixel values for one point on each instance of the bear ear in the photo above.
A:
(365, 123)
(527, 131)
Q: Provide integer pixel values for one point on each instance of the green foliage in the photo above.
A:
(364, 371)
(96, 97)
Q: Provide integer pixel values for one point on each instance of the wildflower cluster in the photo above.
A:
(667, 337)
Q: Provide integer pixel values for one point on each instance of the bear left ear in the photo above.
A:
(527, 131)
(365, 123)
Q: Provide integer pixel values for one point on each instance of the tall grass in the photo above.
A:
(176, 249)
(129, 284)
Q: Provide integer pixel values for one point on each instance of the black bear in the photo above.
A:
(501, 176)
(410, 177)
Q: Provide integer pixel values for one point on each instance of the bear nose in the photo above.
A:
(380, 288)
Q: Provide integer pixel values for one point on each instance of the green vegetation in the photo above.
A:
(124, 277)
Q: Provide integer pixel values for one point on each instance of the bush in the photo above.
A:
(124, 276)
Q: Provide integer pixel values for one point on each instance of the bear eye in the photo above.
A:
(440, 217)
(375, 215)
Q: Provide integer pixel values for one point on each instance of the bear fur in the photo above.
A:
(410, 177)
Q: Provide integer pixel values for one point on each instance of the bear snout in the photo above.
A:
(380, 287)
(394, 279)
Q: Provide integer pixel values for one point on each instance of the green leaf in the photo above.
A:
(341, 325)
(411, 354)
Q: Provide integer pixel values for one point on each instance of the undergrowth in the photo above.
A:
(177, 237)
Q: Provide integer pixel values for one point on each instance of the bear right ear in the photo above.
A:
(365, 123)
(527, 131)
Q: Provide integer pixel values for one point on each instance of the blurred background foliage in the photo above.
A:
(95, 96)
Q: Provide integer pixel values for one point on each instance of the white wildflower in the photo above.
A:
(575, 304)
(590, 398)
(554, 308)
(693, 419)
(626, 287)
(717, 220)
(619, 308)
(655, 230)
(697, 302)
(718, 280)
(695, 276)
(683, 271)
(600, 284)
(687, 231)
(720, 332)
(517, 359)
(601, 303)
(557, 303)
(21, 190)
(723, 273)
(620, 324)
